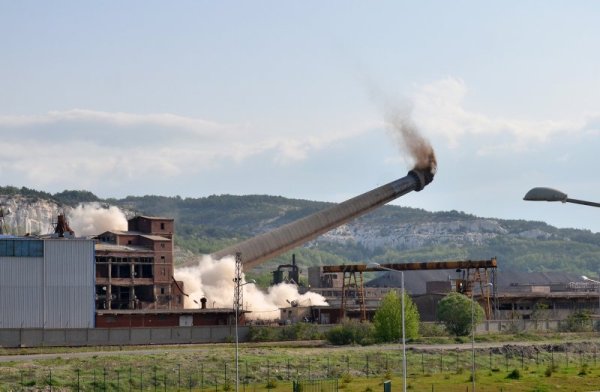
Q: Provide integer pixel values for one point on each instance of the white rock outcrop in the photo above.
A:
(24, 215)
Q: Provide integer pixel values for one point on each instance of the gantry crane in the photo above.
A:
(482, 272)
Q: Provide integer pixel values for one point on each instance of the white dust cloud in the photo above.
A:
(93, 218)
(213, 280)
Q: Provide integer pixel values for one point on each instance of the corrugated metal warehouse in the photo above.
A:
(46, 283)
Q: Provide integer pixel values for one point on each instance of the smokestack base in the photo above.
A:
(422, 177)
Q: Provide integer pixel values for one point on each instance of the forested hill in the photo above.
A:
(386, 235)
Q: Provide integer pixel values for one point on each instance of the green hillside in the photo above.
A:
(386, 235)
(207, 224)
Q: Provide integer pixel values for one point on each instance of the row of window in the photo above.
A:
(107, 259)
(21, 248)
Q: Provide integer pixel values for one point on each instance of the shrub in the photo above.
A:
(550, 369)
(432, 330)
(514, 375)
(346, 378)
(263, 334)
(350, 332)
(300, 331)
(339, 336)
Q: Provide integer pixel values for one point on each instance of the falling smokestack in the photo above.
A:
(268, 245)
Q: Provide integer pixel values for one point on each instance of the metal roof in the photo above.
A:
(108, 247)
(554, 294)
(415, 281)
(152, 217)
(136, 233)
(154, 237)
(165, 311)
(119, 232)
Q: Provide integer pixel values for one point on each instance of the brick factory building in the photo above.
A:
(134, 268)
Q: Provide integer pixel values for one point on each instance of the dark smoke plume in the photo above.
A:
(410, 140)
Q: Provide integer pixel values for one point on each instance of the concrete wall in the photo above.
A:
(37, 337)
(495, 326)
(518, 325)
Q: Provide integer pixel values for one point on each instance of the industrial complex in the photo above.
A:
(124, 280)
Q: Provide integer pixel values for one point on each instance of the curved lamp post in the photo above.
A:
(550, 194)
(379, 266)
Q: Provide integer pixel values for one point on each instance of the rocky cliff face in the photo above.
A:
(413, 236)
(24, 215)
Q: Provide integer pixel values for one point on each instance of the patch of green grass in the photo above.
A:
(447, 370)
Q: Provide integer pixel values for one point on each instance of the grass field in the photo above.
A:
(547, 367)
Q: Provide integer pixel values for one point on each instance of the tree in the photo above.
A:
(388, 318)
(454, 310)
(580, 321)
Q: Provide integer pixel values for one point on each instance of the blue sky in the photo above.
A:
(194, 98)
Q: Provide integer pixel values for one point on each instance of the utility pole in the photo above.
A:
(237, 304)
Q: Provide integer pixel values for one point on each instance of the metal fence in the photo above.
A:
(216, 375)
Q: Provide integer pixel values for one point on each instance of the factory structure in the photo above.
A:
(125, 279)
(134, 268)
(350, 296)
(508, 295)
(115, 279)
(46, 282)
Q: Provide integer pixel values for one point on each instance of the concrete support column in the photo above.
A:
(132, 287)
(109, 286)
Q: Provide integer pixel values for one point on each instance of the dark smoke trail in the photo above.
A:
(410, 140)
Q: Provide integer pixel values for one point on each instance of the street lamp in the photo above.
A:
(237, 339)
(379, 266)
(549, 194)
(473, 327)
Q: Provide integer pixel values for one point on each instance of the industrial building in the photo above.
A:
(46, 282)
(134, 268)
(134, 280)
(518, 295)
(116, 279)
(344, 288)
(515, 295)
(130, 279)
(166, 318)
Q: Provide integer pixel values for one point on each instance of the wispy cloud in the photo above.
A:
(440, 110)
(84, 148)
(88, 145)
